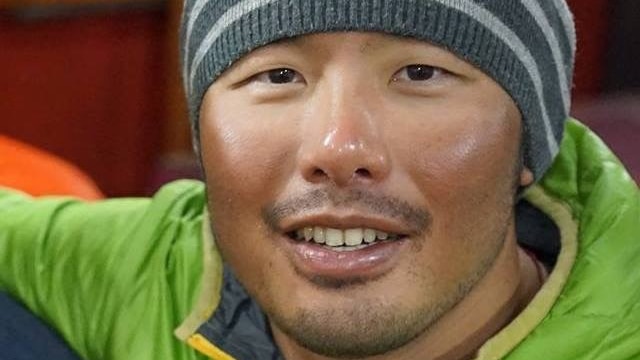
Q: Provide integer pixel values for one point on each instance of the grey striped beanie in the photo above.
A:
(527, 46)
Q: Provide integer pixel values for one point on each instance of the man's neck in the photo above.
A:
(471, 340)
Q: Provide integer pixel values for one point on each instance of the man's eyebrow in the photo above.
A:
(371, 46)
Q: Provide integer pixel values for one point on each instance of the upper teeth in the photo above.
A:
(338, 237)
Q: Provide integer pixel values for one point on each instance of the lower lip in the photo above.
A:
(373, 261)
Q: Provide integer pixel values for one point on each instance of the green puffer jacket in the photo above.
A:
(141, 278)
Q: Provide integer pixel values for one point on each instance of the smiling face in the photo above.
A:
(396, 147)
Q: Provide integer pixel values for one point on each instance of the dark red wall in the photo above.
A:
(87, 88)
(592, 21)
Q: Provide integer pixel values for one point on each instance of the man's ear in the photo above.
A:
(526, 177)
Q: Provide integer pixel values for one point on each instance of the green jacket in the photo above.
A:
(141, 278)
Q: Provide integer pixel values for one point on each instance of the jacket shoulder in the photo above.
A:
(596, 314)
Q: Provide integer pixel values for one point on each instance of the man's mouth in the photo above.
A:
(332, 256)
(350, 239)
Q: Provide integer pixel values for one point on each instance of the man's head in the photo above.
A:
(526, 46)
(335, 121)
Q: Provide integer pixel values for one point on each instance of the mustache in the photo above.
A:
(417, 219)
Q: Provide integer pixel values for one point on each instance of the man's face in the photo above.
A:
(358, 137)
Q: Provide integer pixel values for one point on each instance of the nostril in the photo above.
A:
(317, 173)
(361, 172)
(341, 175)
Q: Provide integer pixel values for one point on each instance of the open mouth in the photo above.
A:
(351, 239)
(348, 252)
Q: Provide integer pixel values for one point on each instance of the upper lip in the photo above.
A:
(345, 220)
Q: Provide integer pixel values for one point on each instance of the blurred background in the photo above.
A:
(97, 83)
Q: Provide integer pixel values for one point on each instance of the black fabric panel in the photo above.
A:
(536, 232)
(25, 337)
(239, 327)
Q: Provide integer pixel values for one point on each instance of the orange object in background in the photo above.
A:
(39, 173)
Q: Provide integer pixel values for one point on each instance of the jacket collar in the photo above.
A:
(238, 326)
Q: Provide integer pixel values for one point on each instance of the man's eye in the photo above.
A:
(279, 76)
(417, 72)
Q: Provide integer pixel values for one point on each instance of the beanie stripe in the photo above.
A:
(543, 23)
(232, 15)
(567, 22)
(194, 13)
(557, 27)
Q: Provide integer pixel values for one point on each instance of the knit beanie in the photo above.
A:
(526, 46)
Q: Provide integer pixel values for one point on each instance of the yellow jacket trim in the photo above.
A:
(201, 344)
(506, 340)
(211, 286)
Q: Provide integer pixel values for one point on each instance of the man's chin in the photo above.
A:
(356, 330)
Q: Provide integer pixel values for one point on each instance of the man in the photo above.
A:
(379, 185)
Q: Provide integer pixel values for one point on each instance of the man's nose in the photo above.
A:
(343, 141)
